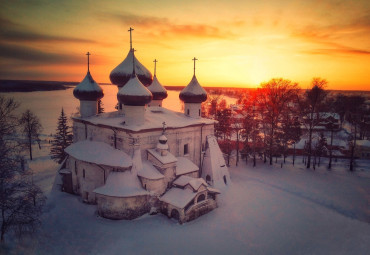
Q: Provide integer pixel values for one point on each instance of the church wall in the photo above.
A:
(158, 187)
(84, 184)
(118, 208)
(177, 139)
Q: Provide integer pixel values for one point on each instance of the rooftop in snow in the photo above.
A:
(154, 118)
(121, 74)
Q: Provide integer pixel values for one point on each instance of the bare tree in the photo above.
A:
(274, 99)
(20, 200)
(311, 106)
(31, 126)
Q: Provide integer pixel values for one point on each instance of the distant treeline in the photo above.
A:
(29, 86)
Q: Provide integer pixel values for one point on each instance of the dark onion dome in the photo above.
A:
(88, 89)
(158, 91)
(134, 93)
(193, 93)
(122, 73)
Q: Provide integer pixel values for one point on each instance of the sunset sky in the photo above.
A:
(238, 43)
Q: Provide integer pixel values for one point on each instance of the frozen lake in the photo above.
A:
(47, 105)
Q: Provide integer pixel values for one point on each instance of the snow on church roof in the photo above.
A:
(134, 93)
(121, 184)
(88, 89)
(122, 73)
(184, 166)
(195, 183)
(178, 197)
(158, 91)
(153, 119)
(149, 171)
(166, 159)
(99, 153)
(193, 92)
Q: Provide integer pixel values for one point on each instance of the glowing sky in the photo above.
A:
(238, 43)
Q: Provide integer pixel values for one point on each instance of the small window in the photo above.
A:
(201, 198)
(188, 112)
(225, 181)
(83, 173)
(186, 149)
(199, 112)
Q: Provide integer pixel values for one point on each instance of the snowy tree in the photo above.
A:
(100, 106)
(62, 139)
(21, 201)
(31, 128)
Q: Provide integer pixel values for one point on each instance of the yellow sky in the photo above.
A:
(238, 43)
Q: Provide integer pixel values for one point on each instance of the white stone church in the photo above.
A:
(143, 158)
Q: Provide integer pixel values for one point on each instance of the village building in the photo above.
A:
(144, 158)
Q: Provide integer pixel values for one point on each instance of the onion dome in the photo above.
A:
(158, 91)
(122, 73)
(193, 93)
(88, 89)
(134, 93)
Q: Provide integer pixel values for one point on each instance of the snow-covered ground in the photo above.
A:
(266, 210)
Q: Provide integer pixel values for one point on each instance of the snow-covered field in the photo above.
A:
(266, 210)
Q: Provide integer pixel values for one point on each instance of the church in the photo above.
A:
(143, 158)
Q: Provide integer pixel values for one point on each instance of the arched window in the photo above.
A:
(83, 173)
(225, 181)
(175, 214)
(188, 111)
(201, 198)
(199, 112)
(208, 179)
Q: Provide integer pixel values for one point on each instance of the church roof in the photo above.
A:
(184, 166)
(121, 74)
(99, 153)
(178, 197)
(121, 184)
(158, 91)
(149, 172)
(166, 159)
(134, 93)
(88, 89)
(195, 183)
(193, 92)
(153, 120)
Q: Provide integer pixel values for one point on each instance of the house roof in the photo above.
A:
(184, 166)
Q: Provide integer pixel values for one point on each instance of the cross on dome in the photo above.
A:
(88, 61)
(194, 59)
(130, 30)
(155, 66)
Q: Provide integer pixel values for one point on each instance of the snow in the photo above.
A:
(156, 86)
(365, 143)
(267, 210)
(88, 85)
(178, 197)
(150, 172)
(183, 180)
(134, 88)
(194, 88)
(153, 119)
(214, 164)
(184, 166)
(195, 183)
(121, 184)
(125, 67)
(166, 159)
(99, 153)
